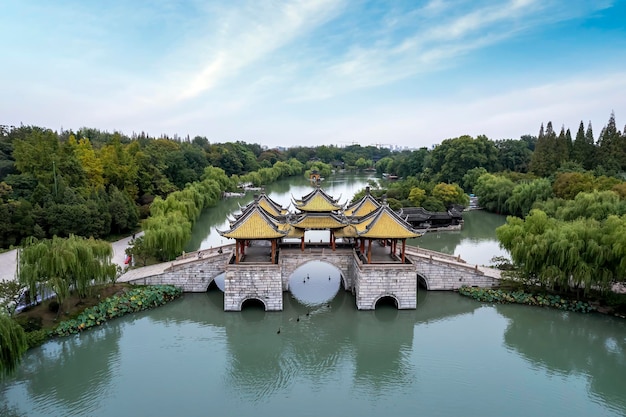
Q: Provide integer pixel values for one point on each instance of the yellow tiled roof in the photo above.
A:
(347, 231)
(292, 232)
(254, 224)
(270, 206)
(386, 224)
(319, 222)
(367, 207)
(364, 206)
(317, 203)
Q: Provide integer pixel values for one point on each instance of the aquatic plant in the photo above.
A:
(490, 295)
(134, 300)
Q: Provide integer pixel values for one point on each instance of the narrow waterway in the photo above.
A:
(451, 356)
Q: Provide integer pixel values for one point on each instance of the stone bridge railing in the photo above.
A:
(193, 272)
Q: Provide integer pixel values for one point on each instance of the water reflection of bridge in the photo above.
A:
(321, 343)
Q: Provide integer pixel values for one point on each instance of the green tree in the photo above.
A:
(124, 215)
(362, 163)
(524, 196)
(583, 148)
(584, 253)
(611, 151)
(417, 196)
(471, 177)
(65, 264)
(568, 184)
(454, 157)
(513, 155)
(546, 158)
(493, 192)
(450, 194)
(13, 344)
(167, 235)
(431, 203)
(91, 165)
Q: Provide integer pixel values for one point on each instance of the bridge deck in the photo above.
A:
(160, 268)
(261, 254)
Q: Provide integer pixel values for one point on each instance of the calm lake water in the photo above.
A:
(320, 356)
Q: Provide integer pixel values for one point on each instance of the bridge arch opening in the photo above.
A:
(386, 302)
(253, 304)
(422, 283)
(218, 282)
(315, 282)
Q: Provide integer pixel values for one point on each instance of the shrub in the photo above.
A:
(520, 297)
(37, 337)
(134, 300)
(29, 324)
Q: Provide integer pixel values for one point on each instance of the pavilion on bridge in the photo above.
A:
(366, 221)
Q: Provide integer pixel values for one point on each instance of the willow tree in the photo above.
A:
(584, 253)
(13, 344)
(65, 264)
(167, 235)
(526, 194)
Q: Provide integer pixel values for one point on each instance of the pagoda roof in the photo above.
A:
(319, 221)
(255, 223)
(364, 206)
(317, 201)
(269, 205)
(347, 231)
(385, 223)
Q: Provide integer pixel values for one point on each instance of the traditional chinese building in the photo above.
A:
(365, 221)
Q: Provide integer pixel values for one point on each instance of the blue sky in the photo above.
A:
(310, 72)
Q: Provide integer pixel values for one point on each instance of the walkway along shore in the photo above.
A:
(8, 260)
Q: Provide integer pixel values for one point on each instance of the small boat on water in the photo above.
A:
(227, 194)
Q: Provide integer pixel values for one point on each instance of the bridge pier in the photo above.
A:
(375, 281)
(253, 281)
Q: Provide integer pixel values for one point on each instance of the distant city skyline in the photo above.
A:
(404, 73)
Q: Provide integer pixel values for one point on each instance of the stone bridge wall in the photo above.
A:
(247, 281)
(374, 281)
(450, 275)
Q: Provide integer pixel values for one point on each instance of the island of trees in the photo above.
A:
(60, 192)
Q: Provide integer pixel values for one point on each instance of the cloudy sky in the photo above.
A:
(408, 73)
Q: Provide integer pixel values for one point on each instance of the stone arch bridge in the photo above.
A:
(266, 281)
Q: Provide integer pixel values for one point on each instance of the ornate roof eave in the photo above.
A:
(266, 227)
(353, 209)
(386, 223)
(319, 221)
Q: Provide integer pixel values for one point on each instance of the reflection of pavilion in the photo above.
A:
(257, 271)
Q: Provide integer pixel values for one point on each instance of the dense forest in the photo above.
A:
(94, 183)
